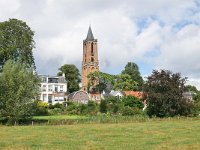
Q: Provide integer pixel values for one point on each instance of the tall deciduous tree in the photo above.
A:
(18, 89)
(124, 82)
(72, 76)
(104, 81)
(16, 43)
(164, 94)
(132, 70)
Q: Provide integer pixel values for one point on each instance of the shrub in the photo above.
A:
(40, 108)
(133, 102)
(103, 106)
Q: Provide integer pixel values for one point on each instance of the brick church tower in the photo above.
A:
(90, 61)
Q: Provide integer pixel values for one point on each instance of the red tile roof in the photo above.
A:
(137, 94)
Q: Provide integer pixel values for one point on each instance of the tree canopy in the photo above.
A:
(164, 94)
(16, 43)
(18, 89)
(72, 76)
(105, 81)
(124, 82)
(132, 70)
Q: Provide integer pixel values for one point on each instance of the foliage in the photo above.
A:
(196, 97)
(40, 108)
(129, 79)
(18, 89)
(17, 43)
(133, 102)
(87, 109)
(127, 111)
(57, 105)
(114, 104)
(164, 94)
(92, 108)
(72, 76)
(72, 108)
(191, 88)
(103, 106)
(105, 81)
(123, 82)
(56, 109)
(132, 70)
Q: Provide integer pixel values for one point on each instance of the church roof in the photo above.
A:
(90, 35)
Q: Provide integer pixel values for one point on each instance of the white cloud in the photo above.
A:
(163, 33)
(181, 51)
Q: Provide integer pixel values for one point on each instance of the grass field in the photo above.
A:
(59, 117)
(166, 134)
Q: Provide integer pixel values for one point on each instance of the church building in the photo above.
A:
(90, 62)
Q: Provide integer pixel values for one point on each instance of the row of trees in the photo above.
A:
(129, 79)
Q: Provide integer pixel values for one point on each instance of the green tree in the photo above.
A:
(132, 70)
(133, 102)
(114, 104)
(91, 108)
(123, 82)
(72, 76)
(164, 94)
(18, 89)
(196, 97)
(16, 43)
(105, 81)
(192, 88)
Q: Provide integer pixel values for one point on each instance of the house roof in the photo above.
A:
(90, 35)
(71, 95)
(136, 94)
(114, 93)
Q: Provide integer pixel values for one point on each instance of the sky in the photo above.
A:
(155, 34)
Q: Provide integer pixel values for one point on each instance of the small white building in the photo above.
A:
(116, 94)
(53, 89)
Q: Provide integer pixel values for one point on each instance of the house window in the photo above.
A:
(50, 99)
(44, 97)
(61, 88)
(43, 79)
(44, 88)
(56, 88)
(50, 87)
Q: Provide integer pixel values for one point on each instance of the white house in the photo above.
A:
(53, 89)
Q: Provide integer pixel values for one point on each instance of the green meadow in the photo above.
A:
(181, 134)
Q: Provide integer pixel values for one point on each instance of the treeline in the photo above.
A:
(125, 106)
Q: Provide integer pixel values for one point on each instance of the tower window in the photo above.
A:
(92, 59)
(92, 49)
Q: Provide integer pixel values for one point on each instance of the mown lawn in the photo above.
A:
(166, 134)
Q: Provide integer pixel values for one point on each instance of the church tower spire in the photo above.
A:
(90, 34)
(90, 61)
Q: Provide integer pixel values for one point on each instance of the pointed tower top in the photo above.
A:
(90, 35)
